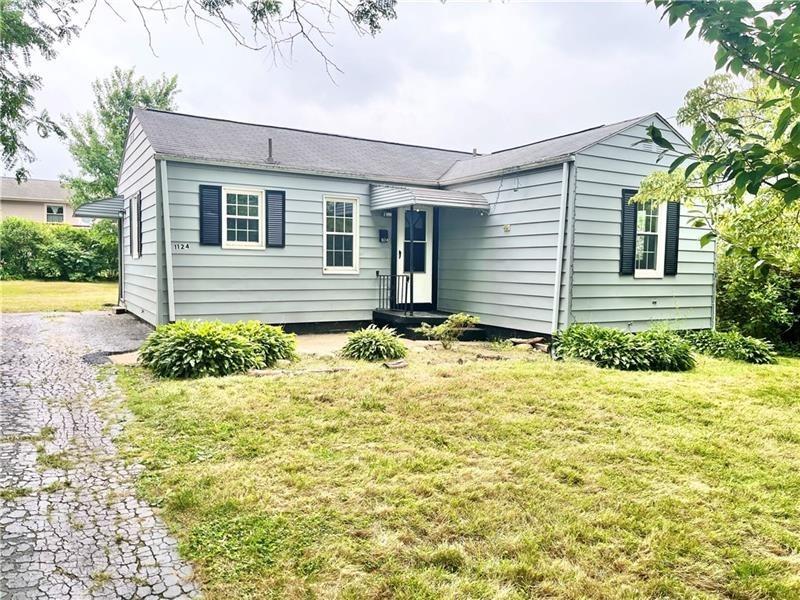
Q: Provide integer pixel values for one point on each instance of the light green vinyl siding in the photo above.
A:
(138, 173)
(275, 285)
(599, 294)
(501, 266)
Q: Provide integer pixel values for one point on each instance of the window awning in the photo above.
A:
(108, 208)
(388, 196)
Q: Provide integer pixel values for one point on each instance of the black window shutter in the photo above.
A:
(627, 248)
(131, 217)
(276, 218)
(139, 224)
(210, 215)
(673, 235)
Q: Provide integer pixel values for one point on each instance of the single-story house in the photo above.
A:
(229, 220)
(40, 200)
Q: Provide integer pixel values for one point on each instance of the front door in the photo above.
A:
(415, 253)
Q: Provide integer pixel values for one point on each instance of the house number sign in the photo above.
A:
(180, 246)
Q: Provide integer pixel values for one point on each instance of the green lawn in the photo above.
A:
(483, 479)
(45, 296)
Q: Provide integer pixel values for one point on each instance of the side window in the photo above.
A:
(54, 213)
(650, 229)
(340, 235)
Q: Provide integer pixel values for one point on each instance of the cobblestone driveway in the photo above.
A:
(70, 525)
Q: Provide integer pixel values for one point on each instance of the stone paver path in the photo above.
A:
(70, 524)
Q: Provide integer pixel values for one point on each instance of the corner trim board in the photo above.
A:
(562, 227)
(167, 239)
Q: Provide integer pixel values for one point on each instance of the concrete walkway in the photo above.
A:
(70, 524)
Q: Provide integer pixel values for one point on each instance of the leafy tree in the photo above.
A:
(738, 156)
(97, 139)
(27, 27)
(759, 224)
(39, 27)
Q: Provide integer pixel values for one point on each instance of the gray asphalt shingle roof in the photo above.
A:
(185, 136)
(532, 154)
(203, 139)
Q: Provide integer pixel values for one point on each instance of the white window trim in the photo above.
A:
(63, 213)
(356, 235)
(658, 272)
(261, 244)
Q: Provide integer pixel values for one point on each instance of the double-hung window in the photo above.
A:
(242, 218)
(340, 233)
(54, 213)
(650, 239)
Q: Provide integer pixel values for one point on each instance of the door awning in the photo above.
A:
(108, 208)
(388, 196)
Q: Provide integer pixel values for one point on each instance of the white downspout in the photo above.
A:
(167, 239)
(562, 228)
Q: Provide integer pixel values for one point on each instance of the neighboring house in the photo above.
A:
(228, 220)
(40, 200)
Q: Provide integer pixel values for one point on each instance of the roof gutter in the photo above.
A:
(430, 183)
(532, 166)
(562, 229)
(298, 171)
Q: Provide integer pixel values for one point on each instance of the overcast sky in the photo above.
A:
(457, 75)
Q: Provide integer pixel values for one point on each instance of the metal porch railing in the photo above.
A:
(394, 293)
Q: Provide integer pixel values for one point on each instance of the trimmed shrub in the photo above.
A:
(450, 331)
(275, 344)
(189, 349)
(732, 345)
(654, 350)
(373, 343)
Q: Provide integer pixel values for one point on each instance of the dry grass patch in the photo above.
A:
(487, 479)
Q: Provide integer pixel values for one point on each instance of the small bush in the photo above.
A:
(373, 343)
(654, 350)
(449, 332)
(189, 349)
(275, 344)
(732, 345)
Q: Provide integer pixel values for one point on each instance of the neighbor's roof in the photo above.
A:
(217, 141)
(33, 190)
(214, 140)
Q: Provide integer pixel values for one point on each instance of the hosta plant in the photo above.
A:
(189, 349)
(274, 343)
(655, 350)
(731, 345)
(373, 344)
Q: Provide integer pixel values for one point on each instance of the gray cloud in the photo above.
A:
(455, 75)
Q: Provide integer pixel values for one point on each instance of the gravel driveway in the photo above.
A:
(70, 524)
